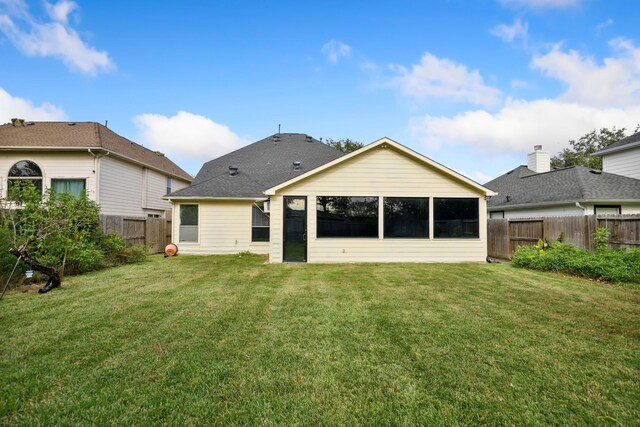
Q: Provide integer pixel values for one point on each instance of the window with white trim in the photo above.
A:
(188, 223)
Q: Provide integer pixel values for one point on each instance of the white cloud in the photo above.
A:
(509, 33)
(186, 136)
(615, 83)
(443, 78)
(13, 106)
(520, 125)
(541, 4)
(56, 39)
(601, 26)
(335, 49)
(60, 11)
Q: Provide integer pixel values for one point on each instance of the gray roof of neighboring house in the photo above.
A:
(573, 184)
(81, 136)
(623, 144)
(261, 165)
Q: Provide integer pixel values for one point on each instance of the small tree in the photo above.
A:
(345, 145)
(581, 151)
(34, 221)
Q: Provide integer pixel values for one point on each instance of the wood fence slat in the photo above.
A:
(155, 233)
(505, 235)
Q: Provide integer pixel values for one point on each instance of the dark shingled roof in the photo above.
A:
(622, 144)
(572, 184)
(83, 135)
(261, 165)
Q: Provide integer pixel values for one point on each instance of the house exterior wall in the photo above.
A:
(626, 163)
(224, 227)
(156, 188)
(121, 187)
(626, 208)
(67, 165)
(381, 172)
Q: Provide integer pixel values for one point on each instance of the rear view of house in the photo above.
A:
(296, 199)
(125, 178)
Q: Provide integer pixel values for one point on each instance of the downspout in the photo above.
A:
(582, 207)
(96, 171)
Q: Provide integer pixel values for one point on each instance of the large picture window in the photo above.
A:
(25, 170)
(456, 218)
(188, 223)
(70, 186)
(406, 217)
(259, 225)
(339, 216)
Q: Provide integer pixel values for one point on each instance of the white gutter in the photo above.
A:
(214, 199)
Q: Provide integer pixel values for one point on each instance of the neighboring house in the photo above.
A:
(296, 199)
(123, 177)
(622, 157)
(535, 190)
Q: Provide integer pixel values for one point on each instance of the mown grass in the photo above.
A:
(231, 340)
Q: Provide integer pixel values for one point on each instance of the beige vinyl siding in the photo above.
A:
(381, 173)
(570, 210)
(535, 212)
(156, 187)
(626, 163)
(121, 187)
(68, 165)
(224, 227)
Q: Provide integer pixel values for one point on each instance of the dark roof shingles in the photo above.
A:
(572, 184)
(261, 165)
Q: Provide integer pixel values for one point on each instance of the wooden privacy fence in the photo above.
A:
(153, 232)
(505, 235)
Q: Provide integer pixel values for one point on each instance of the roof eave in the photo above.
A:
(559, 203)
(616, 149)
(208, 198)
(97, 148)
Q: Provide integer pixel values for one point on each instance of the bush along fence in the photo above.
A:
(505, 235)
(154, 233)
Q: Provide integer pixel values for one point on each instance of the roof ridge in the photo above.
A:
(97, 132)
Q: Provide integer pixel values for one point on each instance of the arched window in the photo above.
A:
(23, 170)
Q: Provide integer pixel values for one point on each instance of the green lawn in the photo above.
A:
(231, 340)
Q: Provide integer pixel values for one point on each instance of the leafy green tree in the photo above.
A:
(345, 145)
(37, 224)
(581, 151)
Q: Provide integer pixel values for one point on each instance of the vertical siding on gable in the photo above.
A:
(121, 186)
(63, 165)
(381, 173)
(224, 227)
(626, 163)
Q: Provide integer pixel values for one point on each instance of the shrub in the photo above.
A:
(601, 239)
(56, 231)
(617, 265)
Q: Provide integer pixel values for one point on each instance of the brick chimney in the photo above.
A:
(539, 161)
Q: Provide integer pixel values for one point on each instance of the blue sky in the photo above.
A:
(471, 84)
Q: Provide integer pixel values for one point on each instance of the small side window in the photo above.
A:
(188, 223)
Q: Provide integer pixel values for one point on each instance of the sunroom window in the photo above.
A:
(188, 223)
(339, 216)
(456, 218)
(406, 217)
